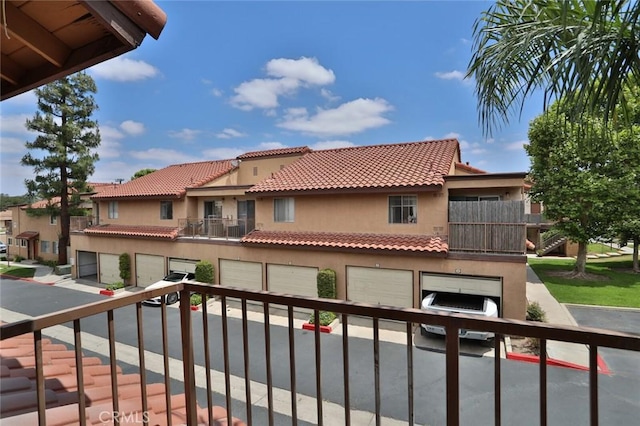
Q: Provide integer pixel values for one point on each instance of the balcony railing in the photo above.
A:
(80, 223)
(261, 360)
(215, 228)
(537, 219)
(493, 238)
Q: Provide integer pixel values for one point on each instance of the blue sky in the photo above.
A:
(230, 77)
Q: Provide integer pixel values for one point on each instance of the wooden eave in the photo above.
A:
(43, 41)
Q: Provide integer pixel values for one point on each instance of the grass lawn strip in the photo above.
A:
(616, 285)
(17, 271)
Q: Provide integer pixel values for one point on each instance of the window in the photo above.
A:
(9, 241)
(213, 209)
(54, 247)
(255, 171)
(403, 209)
(283, 209)
(23, 243)
(113, 209)
(166, 209)
(53, 220)
(44, 246)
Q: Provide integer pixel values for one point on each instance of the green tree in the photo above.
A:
(584, 52)
(141, 173)
(205, 272)
(63, 154)
(7, 200)
(578, 176)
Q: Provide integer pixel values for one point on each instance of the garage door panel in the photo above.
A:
(238, 273)
(483, 286)
(149, 269)
(109, 268)
(182, 265)
(392, 287)
(87, 262)
(296, 280)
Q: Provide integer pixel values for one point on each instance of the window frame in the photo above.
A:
(44, 246)
(112, 210)
(24, 243)
(166, 210)
(53, 220)
(54, 247)
(287, 208)
(405, 217)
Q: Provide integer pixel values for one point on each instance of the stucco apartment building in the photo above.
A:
(394, 221)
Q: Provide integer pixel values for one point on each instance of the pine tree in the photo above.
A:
(63, 154)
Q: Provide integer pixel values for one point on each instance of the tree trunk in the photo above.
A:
(65, 220)
(636, 265)
(581, 260)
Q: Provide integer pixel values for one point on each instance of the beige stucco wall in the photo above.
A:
(512, 273)
(361, 213)
(144, 212)
(264, 168)
(22, 222)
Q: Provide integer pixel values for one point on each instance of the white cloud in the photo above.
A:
(265, 146)
(452, 135)
(349, 118)
(306, 70)
(12, 177)
(12, 145)
(516, 146)
(229, 133)
(331, 145)
(222, 153)
(109, 142)
(286, 77)
(24, 99)
(216, 92)
(15, 124)
(262, 92)
(185, 134)
(429, 138)
(451, 75)
(133, 128)
(328, 95)
(164, 156)
(124, 69)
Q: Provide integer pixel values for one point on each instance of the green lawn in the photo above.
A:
(617, 286)
(17, 271)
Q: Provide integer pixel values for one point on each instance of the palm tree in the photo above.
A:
(581, 51)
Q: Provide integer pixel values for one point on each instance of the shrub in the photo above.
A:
(326, 282)
(115, 286)
(196, 299)
(18, 258)
(326, 318)
(535, 312)
(205, 273)
(3, 258)
(125, 266)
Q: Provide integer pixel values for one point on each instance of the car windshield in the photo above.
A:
(174, 277)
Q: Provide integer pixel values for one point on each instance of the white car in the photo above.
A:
(172, 278)
(459, 303)
(3, 247)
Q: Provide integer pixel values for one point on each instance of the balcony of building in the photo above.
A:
(215, 228)
(241, 376)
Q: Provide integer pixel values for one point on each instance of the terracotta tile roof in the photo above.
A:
(172, 181)
(469, 169)
(378, 166)
(389, 242)
(18, 405)
(27, 235)
(164, 232)
(275, 152)
(42, 204)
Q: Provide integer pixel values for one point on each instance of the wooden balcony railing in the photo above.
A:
(80, 223)
(494, 238)
(215, 228)
(220, 338)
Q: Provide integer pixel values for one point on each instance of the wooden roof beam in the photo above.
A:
(117, 22)
(32, 34)
(11, 71)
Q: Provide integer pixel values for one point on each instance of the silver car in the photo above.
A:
(172, 278)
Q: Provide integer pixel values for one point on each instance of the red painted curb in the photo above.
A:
(602, 366)
(24, 279)
(107, 292)
(311, 327)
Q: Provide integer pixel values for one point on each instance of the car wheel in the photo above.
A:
(172, 298)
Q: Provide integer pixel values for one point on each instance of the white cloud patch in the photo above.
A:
(452, 135)
(12, 145)
(287, 76)
(132, 128)
(229, 133)
(185, 134)
(15, 124)
(110, 142)
(216, 92)
(328, 95)
(265, 146)
(331, 145)
(451, 75)
(24, 99)
(516, 146)
(12, 177)
(124, 70)
(164, 156)
(222, 153)
(349, 118)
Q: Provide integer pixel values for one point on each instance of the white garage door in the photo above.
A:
(109, 268)
(149, 269)
(295, 280)
(484, 286)
(380, 286)
(182, 265)
(238, 273)
(87, 263)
